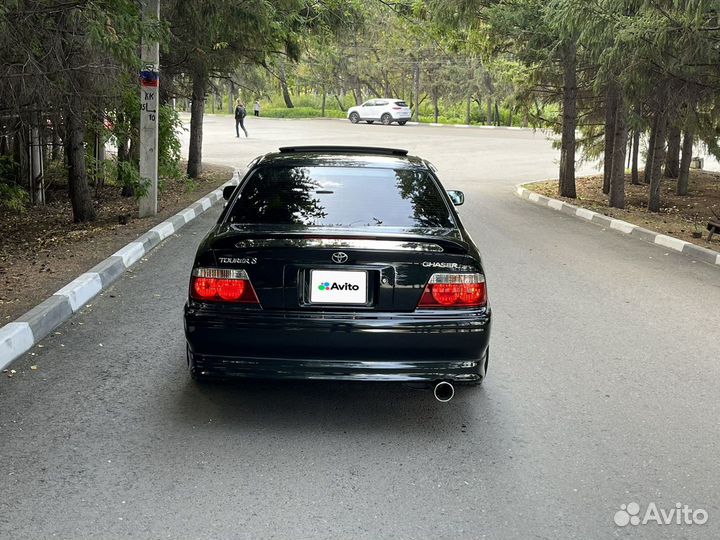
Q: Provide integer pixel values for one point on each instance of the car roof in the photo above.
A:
(383, 99)
(343, 156)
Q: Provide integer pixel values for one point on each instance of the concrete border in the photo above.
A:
(20, 335)
(670, 242)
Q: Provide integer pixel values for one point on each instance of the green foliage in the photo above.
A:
(169, 125)
(12, 197)
(301, 112)
(7, 169)
(128, 176)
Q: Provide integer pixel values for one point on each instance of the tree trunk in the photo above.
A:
(658, 158)
(617, 169)
(340, 103)
(21, 144)
(651, 149)
(98, 147)
(37, 183)
(4, 147)
(468, 104)
(610, 112)
(684, 172)
(436, 109)
(324, 100)
(82, 204)
(417, 92)
(635, 157)
(197, 112)
(134, 151)
(488, 119)
(628, 150)
(672, 160)
(123, 158)
(56, 141)
(231, 104)
(569, 116)
(284, 87)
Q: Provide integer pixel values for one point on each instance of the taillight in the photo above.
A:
(222, 285)
(454, 291)
(397, 108)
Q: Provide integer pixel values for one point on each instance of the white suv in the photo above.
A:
(386, 110)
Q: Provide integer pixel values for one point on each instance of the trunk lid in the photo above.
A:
(333, 270)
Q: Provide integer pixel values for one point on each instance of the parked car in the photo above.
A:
(339, 263)
(386, 110)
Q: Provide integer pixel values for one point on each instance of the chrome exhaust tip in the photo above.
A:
(444, 391)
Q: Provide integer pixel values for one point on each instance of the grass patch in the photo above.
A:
(300, 112)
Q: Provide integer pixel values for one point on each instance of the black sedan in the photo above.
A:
(339, 263)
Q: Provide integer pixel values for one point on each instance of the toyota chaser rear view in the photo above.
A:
(339, 263)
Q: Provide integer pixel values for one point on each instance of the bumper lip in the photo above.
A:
(403, 347)
(466, 371)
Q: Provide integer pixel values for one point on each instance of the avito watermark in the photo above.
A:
(680, 514)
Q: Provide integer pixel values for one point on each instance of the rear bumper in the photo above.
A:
(381, 347)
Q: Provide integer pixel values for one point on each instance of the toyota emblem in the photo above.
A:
(339, 257)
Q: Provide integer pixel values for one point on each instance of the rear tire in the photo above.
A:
(402, 122)
(354, 118)
(386, 119)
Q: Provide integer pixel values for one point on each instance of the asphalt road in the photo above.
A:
(602, 391)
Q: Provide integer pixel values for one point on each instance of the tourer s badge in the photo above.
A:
(235, 260)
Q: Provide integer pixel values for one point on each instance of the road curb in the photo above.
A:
(20, 335)
(670, 242)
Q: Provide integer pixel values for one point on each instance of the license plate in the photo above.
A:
(338, 287)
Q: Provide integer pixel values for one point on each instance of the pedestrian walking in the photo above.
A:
(240, 114)
(256, 108)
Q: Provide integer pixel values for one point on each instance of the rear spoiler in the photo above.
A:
(329, 149)
(448, 245)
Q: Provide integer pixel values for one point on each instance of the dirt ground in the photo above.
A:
(679, 216)
(41, 250)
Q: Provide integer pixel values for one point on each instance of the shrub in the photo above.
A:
(12, 196)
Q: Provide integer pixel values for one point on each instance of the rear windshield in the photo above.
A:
(344, 197)
(401, 103)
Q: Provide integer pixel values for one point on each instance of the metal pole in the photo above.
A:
(149, 104)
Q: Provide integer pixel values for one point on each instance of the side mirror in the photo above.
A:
(457, 197)
(228, 191)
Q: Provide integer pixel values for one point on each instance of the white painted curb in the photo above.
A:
(19, 336)
(670, 242)
(15, 339)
